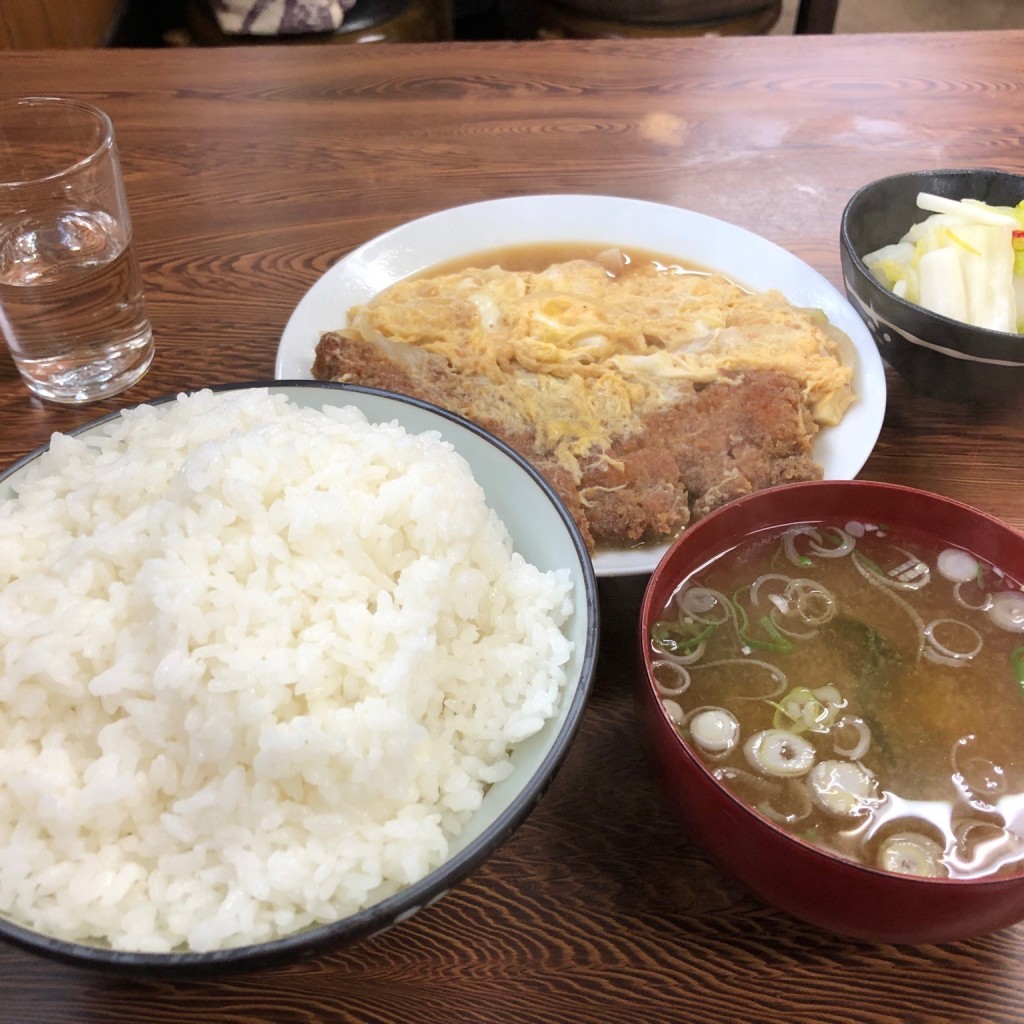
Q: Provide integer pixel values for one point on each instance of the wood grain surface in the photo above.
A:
(250, 172)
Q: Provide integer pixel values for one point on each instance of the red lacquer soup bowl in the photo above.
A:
(804, 879)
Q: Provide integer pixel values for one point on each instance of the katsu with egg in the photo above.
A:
(647, 392)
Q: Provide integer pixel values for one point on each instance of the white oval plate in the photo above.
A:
(747, 258)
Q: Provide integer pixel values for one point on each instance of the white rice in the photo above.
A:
(258, 665)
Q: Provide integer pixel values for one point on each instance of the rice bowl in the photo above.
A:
(189, 783)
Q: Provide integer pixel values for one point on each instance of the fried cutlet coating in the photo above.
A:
(739, 434)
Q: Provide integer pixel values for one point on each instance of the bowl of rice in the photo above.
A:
(279, 666)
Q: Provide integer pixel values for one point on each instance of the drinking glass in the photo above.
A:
(72, 309)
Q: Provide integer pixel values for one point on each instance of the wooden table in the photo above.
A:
(251, 172)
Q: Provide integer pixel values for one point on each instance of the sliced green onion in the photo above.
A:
(661, 635)
(715, 730)
(789, 545)
(802, 709)
(673, 638)
(873, 566)
(840, 541)
(910, 853)
(778, 643)
(780, 753)
(841, 788)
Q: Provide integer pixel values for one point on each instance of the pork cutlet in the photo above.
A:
(740, 433)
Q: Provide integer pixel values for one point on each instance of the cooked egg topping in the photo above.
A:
(586, 348)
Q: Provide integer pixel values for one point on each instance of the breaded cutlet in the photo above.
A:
(741, 433)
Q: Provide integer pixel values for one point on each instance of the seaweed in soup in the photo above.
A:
(877, 663)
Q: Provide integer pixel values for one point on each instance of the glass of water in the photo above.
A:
(72, 309)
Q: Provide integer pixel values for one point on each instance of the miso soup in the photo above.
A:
(861, 688)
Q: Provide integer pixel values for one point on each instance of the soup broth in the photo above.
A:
(861, 688)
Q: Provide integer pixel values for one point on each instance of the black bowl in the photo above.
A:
(940, 357)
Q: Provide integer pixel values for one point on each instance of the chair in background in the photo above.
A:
(816, 17)
(626, 18)
(596, 19)
(369, 21)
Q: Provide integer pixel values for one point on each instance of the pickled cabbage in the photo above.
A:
(965, 261)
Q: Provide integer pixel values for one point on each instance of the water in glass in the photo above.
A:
(72, 305)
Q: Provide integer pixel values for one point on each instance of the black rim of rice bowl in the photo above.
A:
(469, 852)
